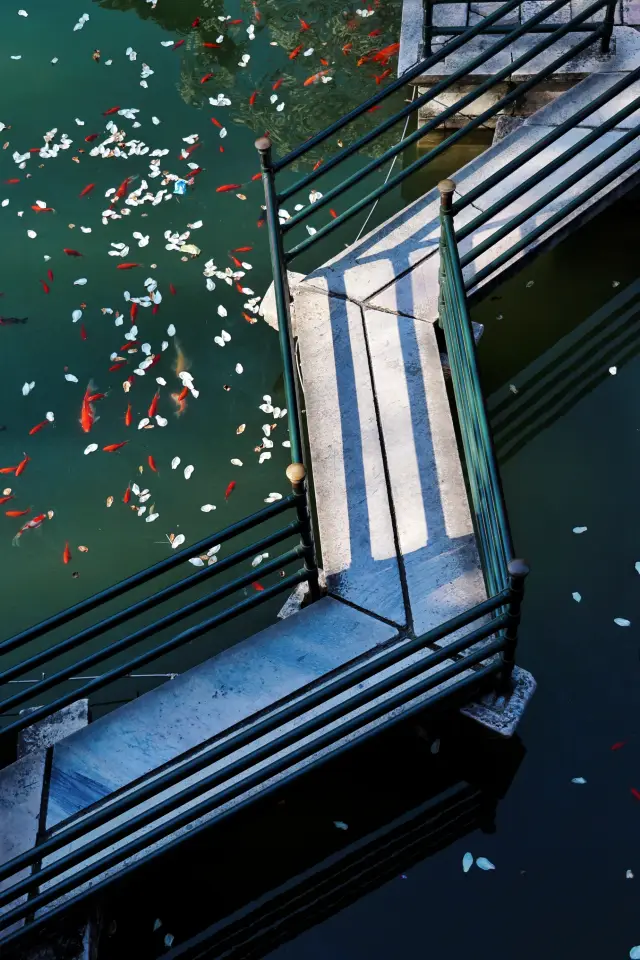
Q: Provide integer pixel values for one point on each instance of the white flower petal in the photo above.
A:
(467, 862)
(484, 864)
(207, 507)
(178, 541)
(621, 622)
(188, 471)
(91, 448)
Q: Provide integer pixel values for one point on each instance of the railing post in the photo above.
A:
(609, 19)
(446, 189)
(296, 475)
(518, 571)
(282, 295)
(428, 27)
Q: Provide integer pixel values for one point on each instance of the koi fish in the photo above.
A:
(8, 469)
(156, 358)
(127, 266)
(133, 312)
(181, 363)
(172, 290)
(228, 186)
(128, 416)
(196, 22)
(256, 176)
(303, 25)
(253, 98)
(375, 33)
(17, 513)
(177, 44)
(314, 78)
(45, 287)
(184, 393)
(66, 556)
(50, 275)
(87, 189)
(193, 147)
(361, 60)
(216, 123)
(37, 209)
(294, 53)
(83, 332)
(333, 213)
(278, 84)
(383, 76)
(257, 586)
(116, 366)
(229, 490)
(212, 45)
(29, 525)
(206, 77)
(347, 48)
(318, 164)
(180, 402)
(237, 262)
(153, 406)
(112, 447)
(22, 465)
(152, 463)
(13, 180)
(382, 56)
(127, 495)
(242, 249)
(111, 110)
(96, 396)
(154, 309)
(377, 106)
(234, 23)
(91, 137)
(249, 318)
(325, 63)
(87, 415)
(38, 427)
(71, 253)
(6, 499)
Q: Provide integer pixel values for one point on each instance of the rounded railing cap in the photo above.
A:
(446, 186)
(263, 144)
(518, 567)
(296, 472)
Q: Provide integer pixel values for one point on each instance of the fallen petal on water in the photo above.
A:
(578, 780)
(178, 541)
(485, 864)
(467, 862)
(621, 622)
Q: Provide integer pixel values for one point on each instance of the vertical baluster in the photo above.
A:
(296, 474)
(518, 571)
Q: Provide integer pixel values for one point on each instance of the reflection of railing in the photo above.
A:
(300, 526)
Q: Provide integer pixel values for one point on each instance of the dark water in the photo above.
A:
(566, 855)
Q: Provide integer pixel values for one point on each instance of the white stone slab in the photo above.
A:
(584, 93)
(225, 691)
(411, 32)
(435, 532)
(352, 502)
(20, 799)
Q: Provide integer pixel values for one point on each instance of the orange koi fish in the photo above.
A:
(277, 84)
(256, 176)
(128, 416)
(196, 22)
(111, 110)
(383, 56)
(37, 209)
(212, 45)
(87, 189)
(112, 447)
(71, 253)
(318, 164)
(184, 393)
(127, 266)
(133, 312)
(17, 513)
(13, 180)
(8, 469)
(177, 44)
(50, 275)
(29, 525)
(38, 427)
(229, 490)
(333, 213)
(383, 76)
(237, 262)
(206, 77)
(294, 53)
(91, 137)
(216, 123)
(242, 249)
(303, 25)
(314, 78)
(249, 318)
(180, 402)
(96, 396)
(116, 366)
(253, 98)
(11, 496)
(153, 406)
(234, 23)
(377, 106)
(66, 556)
(127, 495)
(325, 63)
(375, 33)
(361, 60)
(228, 186)
(45, 287)
(22, 465)
(152, 463)
(347, 48)
(257, 586)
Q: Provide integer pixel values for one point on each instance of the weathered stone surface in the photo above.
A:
(631, 13)
(502, 714)
(584, 94)
(411, 33)
(505, 126)
(52, 729)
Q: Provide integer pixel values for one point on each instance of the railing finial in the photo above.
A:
(446, 189)
(296, 473)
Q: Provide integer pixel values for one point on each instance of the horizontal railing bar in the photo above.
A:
(434, 122)
(193, 580)
(394, 181)
(552, 194)
(474, 681)
(397, 84)
(542, 28)
(125, 642)
(255, 732)
(570, 124)
(515, 31)
(137, 579)
(255, 779)
(552, 221)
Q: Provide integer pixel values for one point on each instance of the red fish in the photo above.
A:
(83, 332)
(6, 499)
(112, 447)
(325, 63)
(347, 48)
(216, 123)
(212, 45)
(17, 513)
(229, 490)
(128, 416)
(303, 25)
(318, 164)
(8, 469)
(314, 78)
(256, 176)
(253, 98)
(121, 191)
(91, 137)
(636, 793)
(133, 312)
(156, 359)
(374, 108)
(71, 253)
(618, 745)
(116, 366)
(50, 275)
(242, 249)
(172, 290)
(257, 586)
(294, 53)
(233, 23)
(111, 110)
(177, 44)
(375, 33)
(184, 393)
(37, 209)
(87, 189)
(127, 266)
(383, 76)
(249, 318)
(153, 406)
(196, 22)
(22, 465)
(333, 213)
(152, 463)
(361, 60)
(154, 309)
(228, 186)
(193, 147)
(66, 556)
(237, 262)
(206, 77)
(127, 495)
(13, 180)
(45, 287)
(87, 415)
(38, 427)
(278, 84)
(95, 396)
(382, 56)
